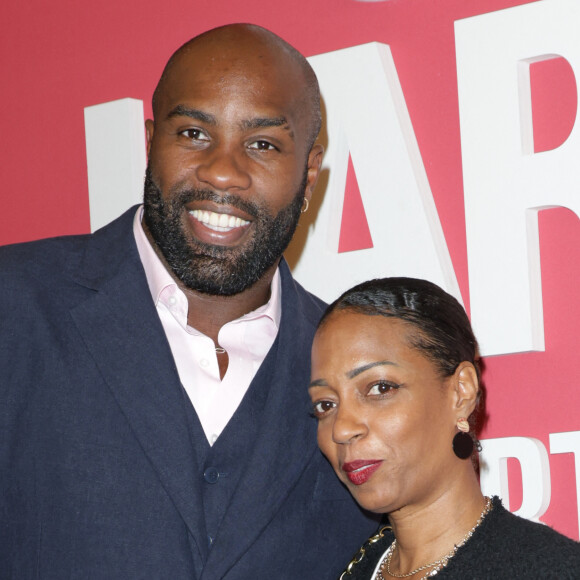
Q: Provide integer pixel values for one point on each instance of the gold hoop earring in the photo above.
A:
(305, 204)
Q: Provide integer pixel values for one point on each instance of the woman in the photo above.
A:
(395, 387)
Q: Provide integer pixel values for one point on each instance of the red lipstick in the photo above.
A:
(359, 471)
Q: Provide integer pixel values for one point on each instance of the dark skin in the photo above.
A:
(231, 116)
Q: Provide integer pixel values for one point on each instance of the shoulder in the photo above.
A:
(39, 255)
(507, 546)
(55, 274)
(529, 534)
(33, 269)
(537, 543)
(56, 258)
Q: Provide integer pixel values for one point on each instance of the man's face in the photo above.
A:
(228, 167)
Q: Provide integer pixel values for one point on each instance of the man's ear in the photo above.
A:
(149, 129)
(313, 168)
(466, 389)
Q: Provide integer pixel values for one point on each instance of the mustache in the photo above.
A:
(185, 196)
(181, 195)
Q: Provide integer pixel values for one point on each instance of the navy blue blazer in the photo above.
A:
(99, 477)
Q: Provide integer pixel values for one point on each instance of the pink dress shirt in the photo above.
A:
(247, 341)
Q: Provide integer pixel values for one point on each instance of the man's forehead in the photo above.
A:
(257, 66)
(219, 88)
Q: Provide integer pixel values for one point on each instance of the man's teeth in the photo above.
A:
(218, 221)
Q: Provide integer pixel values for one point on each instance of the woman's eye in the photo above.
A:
(322, 407)
(195, 135)
(262, 146)
(382, 388)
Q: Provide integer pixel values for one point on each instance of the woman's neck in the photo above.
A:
(429, 531)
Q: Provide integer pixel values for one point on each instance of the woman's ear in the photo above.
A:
(466, 389)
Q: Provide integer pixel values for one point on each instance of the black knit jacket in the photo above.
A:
(503, 547)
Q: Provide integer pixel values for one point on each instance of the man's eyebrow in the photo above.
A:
(261, 122)
(355, 372)
(183, 111)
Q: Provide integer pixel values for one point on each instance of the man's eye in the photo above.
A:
(262, 146)
(322, 407)
(382, 388)
(195, 135)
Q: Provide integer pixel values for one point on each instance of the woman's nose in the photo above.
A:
(348, 426)
(224, 169)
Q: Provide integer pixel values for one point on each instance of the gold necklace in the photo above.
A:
(437, 564)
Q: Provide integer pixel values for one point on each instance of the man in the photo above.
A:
(153, 407)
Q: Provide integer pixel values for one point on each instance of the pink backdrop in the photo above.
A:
(59, 57)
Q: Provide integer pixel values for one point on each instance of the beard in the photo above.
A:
(212, 269)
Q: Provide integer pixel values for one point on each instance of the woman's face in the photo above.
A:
(386, 418)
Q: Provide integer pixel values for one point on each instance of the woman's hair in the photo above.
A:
(444, 333)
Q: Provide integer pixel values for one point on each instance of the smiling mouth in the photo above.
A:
(218, 222)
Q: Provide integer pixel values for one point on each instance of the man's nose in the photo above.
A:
(224, 168)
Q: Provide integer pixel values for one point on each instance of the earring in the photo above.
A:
(305, 204)
(462, 442)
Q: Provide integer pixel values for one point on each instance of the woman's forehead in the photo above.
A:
(348, 337)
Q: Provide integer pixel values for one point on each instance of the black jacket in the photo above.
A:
(503, 547)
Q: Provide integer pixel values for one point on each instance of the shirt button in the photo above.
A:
(203, 362)
(211, 475)
(214, 438)
(172, 300)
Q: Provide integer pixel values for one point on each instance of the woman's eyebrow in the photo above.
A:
(318, 383)
(359, 370)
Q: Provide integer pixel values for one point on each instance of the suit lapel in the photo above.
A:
(283, 445)
(123, 333)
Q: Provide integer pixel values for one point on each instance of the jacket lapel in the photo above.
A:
(124, 335)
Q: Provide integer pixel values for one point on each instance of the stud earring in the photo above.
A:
(462, 442)
(305, 204)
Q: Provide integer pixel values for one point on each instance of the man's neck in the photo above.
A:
(208, 313)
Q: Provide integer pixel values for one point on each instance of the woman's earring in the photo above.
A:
(462, 442)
